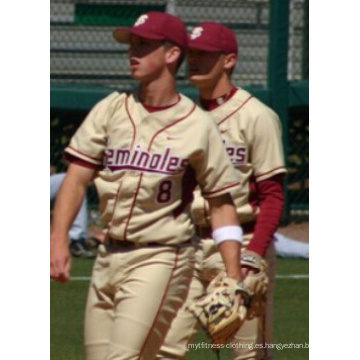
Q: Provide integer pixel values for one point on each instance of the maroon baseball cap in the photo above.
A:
(156, 26)
(213, 37)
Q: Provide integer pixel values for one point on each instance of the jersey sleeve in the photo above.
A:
(271, 203)
(214, 171)
(267, 154)
(89, 142)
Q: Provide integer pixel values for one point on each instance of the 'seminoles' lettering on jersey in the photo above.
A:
(236, 154)
(142, 160)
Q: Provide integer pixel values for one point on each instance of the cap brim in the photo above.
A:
(209, 48)
(122, 35)
(203, 47)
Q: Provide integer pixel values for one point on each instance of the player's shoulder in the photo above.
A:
(110, 104)
(254, 107)
(196, 113)
(105, 108)
(115, 97)
(111, 101)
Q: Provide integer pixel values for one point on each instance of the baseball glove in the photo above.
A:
(218, 311)
(257, 281)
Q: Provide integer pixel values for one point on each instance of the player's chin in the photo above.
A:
(137, 70)
(137, 74)
(197, 78)
(134, 69)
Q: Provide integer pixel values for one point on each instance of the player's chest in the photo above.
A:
(148, 133)
(235, 141)
(147, 145)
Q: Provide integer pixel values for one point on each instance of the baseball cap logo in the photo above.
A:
(141, 20)
(196, 33)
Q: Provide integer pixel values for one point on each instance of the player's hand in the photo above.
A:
(245, 271)
(254, 270)
(60, 260)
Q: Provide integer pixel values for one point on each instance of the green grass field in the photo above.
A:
(291, 323)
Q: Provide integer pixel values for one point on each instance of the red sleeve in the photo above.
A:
(75, 160)
(271, 201)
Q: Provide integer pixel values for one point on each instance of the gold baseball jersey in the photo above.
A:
(251, 134)
(151, 164)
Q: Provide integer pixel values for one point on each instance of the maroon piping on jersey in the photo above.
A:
(212, 104)
(170, 125)
(139, 183)
(81, 162)
(86, 155)
(132, 206)
(113, 212)
(175, 267)
(268, 172)
(218, 190)
(152, 109)
(237, 109)
(131, 120)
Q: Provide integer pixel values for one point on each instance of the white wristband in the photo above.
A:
(228, 233)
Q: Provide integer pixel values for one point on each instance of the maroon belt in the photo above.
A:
(125, 244)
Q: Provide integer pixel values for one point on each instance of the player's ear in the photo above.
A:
(230, 61)
(173, 54)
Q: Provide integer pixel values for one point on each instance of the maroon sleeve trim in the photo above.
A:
(86, 155)
(75, 160)
(205, 194)
(270, 171)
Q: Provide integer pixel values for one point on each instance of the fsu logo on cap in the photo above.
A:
(196, 33)
(141, 20)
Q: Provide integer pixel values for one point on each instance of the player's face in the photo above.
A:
(205, 67)
(147, 58)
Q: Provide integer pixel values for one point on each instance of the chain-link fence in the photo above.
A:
(83, 51)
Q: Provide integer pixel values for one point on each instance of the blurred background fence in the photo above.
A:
(86, 64)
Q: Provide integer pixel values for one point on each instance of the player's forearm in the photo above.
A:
(224, 220)
(222, 211)
(230, 253)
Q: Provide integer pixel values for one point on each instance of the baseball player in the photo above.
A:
(251, 133)
(147, 150)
